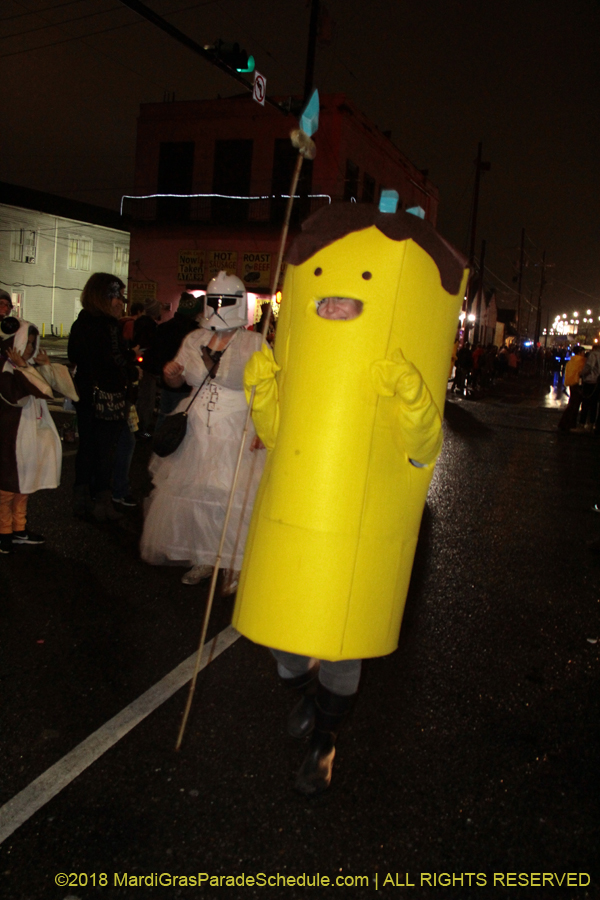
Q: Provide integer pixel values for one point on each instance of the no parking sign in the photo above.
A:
(260, 88)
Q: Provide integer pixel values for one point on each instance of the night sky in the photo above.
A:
(520, 76)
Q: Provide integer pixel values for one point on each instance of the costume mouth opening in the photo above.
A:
(339, 308)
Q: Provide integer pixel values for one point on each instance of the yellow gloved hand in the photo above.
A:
(417, 420)
(259, 374)
(397, 376)
(260, 369)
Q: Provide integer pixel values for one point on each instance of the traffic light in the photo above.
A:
(234, 56)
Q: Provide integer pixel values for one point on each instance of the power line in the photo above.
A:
(577, 291)
(109, 56)
(76, 38)
(101, 12)
(509, 288)
(101, 31)
(38, 11)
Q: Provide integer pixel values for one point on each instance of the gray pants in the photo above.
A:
(339, 677)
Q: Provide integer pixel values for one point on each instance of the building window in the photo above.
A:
(175, 176)
(232, 173)
(368, 193)
(80, 253)
(23, 246)
(121, 260)
(18, 302)
(351, 181)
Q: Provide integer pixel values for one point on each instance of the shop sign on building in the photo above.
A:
(138, 291)
(256, 271)
(191, 266)
(220, 261)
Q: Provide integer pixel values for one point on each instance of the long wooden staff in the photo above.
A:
(306, 148)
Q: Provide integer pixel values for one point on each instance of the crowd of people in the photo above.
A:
(477, 367)
(118, 362)
(196, 362)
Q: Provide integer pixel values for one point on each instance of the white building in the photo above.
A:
(49, 246)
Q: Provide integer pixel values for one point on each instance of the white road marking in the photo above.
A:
(27, 802)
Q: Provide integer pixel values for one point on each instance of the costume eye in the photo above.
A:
(366, 276)
(318, 270)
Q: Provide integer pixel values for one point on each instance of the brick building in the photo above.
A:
(229, 164)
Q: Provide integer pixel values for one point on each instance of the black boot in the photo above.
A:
(82, 502)
(301, 720)
(314, 775)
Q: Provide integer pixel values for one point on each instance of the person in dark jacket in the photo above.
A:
(464, 367)
(104, 378)
(144, 334)
(165, 346)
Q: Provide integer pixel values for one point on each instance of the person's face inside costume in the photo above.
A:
(4, 307)
(341, 308)
(30, 347)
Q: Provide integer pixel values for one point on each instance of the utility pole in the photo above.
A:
(474, 211)
(530, 307)
(480, 167)
(538, 319)
(520, 285)
(479, 294)
(309, 75)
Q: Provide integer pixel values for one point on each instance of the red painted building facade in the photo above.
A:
(223, 169)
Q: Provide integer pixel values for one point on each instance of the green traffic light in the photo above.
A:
(249, 66)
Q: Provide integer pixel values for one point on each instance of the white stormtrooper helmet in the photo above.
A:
(225, 304)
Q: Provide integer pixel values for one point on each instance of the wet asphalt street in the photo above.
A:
(469, 767)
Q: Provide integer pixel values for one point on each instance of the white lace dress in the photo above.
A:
(186, 510)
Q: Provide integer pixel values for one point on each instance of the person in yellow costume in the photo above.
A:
(350, 409)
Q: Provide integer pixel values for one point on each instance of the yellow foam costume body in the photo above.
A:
(336, 518)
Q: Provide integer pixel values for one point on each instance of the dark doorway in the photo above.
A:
(351, 181)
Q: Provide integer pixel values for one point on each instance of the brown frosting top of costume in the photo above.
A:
(333, 222)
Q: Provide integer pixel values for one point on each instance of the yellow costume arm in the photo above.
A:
(417, 422)
(260, 373)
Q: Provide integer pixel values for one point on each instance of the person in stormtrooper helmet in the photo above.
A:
(225, 304)
(186, 510)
